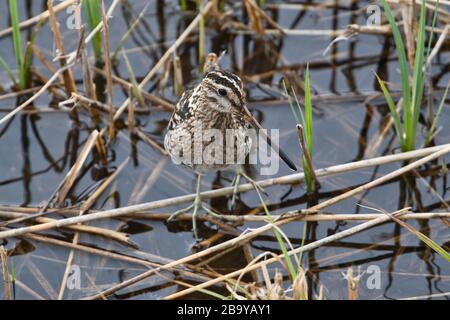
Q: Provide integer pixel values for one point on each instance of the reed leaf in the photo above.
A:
(429, 242)
(436, 117)
(17, 41)
(91, 9)
(393, 110)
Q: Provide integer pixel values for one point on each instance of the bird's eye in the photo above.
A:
(222, 92)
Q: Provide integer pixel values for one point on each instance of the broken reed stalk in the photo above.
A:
(352, 283)
(432, 153)
(131, 117)
(73, 172)
(70, 62)
(244, 238)
(88, 83)
(65, 185)
(69, 82)
(109, 83)
(307, 247)
(84, 208)
(200, 275)
(5, 272)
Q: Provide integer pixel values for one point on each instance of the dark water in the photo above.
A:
(37, 151)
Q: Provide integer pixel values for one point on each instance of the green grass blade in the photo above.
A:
(433, 25)
(279, 238)
(393, 110)
(400, 48)
(308, 112)
(91, 9)
(17, 40)
(291, 104)
(135, 85)
(183, 5)
(418, 76)
(436, 117)
(299, 107)
(8, 70)
(127, 34)
(429, 242)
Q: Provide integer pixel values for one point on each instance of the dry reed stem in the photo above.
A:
(255, 17)
(264, 15)
(131, 116)
(69, 82)
(87, 102)
(300, 286)
(55, 76)
(45, 62)
(12, 95)
(245, 237)
(168, 53)
(438, 45)
(432, 153)
(88, 82)
(352, 283)
(307, 247)
(409, 26)
(69, 179)
(322, 216)
(41, 91)
(150, 141)
(5, 272)
(148, 96)
(110, 234)
(201, 275)
(42, 16)
(369, 30)
(65, 185)
(85, 207)
(109, 83)
(39, 77)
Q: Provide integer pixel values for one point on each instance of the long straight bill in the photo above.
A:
(249, 117)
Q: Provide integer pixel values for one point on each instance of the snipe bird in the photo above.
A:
(217, 104)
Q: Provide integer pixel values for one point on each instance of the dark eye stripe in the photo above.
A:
(226, 82)
(232, 76)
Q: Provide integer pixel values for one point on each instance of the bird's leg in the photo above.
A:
(194, 207)
(235, 183)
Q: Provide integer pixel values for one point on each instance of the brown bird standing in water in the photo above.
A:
(217, 104)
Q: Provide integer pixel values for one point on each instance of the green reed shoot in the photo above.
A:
(279, 237)
(305, 120)
(183, 5)
(91, 9)
(431, 132)
(17, 43)
(428, 241)
(134, 84)
(23, 59)
(411, 92)
(128, 33)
